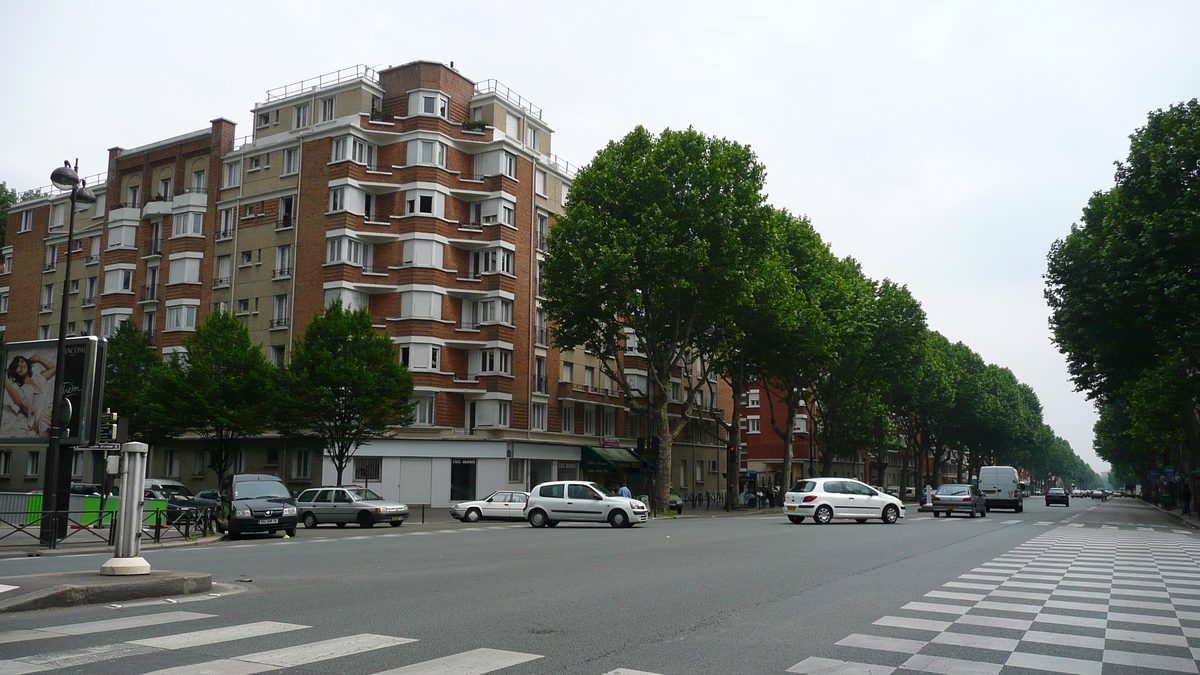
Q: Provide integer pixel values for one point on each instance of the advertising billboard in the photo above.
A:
(30, 371)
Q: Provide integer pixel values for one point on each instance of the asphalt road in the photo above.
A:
(740, 594)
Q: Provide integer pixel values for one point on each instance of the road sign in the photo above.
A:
(1170, 472)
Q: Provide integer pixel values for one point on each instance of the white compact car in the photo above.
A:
(500, 505)
(824, 499)
(582, 501)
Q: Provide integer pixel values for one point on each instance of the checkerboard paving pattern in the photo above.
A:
(1075, 601)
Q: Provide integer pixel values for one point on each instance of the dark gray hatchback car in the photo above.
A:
(955, 498)
(256, 502)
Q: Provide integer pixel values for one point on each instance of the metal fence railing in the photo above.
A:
(95, 526)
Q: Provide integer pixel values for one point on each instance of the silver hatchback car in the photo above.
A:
(348, 504)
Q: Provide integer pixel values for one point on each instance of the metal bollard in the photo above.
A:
(126, 559)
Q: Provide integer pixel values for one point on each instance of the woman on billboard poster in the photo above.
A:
(28, 390)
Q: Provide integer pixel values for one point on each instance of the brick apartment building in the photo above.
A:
(411, 191)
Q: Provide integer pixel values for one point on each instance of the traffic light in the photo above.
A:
(731, 454)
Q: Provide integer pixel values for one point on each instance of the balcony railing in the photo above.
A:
(127, 205)
(374, 269)
(92, 259)
(49, 267)
(279, 323)
(542, 335)
(153, 247)
(281, 273)
(473, 226)
(284, 222)
(541, 244)
(192, 190)
(221, 282)
(539, 384)
(89, 301)
(222, 235)
(46, 307)
(149, 293)
(470, 325)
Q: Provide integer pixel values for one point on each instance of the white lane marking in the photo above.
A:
(1009, 607)
(101, 626)
(1173, 663)
(1019, 595)
(882, 643)
(930, 607)
(474, 662)
(915, 624)
(626, 671)
(1064, 620)
(994, 622)
(1142, 636)
(1078, 606)
(970, 597)
(71, 658)
(1147, 619)
(215, 635)
(1056, 664)
(947, 666)
(1063, 639)
(1009, 522)
(815, 664)
(976, 641)
(6, 587)
(290, 657)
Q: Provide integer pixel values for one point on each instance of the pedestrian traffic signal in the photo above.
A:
(108, 426)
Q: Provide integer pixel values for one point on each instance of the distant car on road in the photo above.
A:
(824, 499)
(582, 501)
(1057, 496)
(500, 505)
(348, 504)
(957, 498)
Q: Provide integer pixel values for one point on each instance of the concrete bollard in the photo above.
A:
(125, 560)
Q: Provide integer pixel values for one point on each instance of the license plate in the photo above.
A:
(269, 521)
(791, 508)
(989, 492)
(951, 507)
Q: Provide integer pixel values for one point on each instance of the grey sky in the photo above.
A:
(945, 145)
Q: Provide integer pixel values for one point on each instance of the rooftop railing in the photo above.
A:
(495, 87)
(326, 80)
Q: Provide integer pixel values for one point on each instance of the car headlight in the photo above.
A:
(637, 505)
(289, 510)
(241, 513)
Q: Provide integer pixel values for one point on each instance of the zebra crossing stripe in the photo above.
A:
(474, 662)
(6, 587)
(815, 665)
(71, 658)
(100, 626)
(290, 657)
(215, 635)
(626, 671)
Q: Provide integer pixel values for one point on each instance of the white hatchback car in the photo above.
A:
(500, 505)
(824, 499)
(582, 501)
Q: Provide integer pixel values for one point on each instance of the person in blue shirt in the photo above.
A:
(624, 492)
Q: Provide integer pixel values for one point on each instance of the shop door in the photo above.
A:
(540, 471)
(462, 479)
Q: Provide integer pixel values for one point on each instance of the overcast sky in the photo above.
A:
(945, 145)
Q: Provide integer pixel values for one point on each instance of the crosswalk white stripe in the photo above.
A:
(1142, 636)
(215, 635)
(931, 607)
(815, 665)
(1063, 639)
(1150, 661)
(71, 658)
(474, 662)
(100, 626)
(626, 671)
(290, 657)
(6, 587)
(948, 666)
(1056, 664)
(994, 622)
(882, 643)
(915, 624)
(976, 641)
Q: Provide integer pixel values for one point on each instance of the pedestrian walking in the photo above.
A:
(624, 491)
(1185, 495)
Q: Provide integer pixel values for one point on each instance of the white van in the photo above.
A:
(1001, 488)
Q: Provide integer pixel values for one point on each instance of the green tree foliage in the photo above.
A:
(654, 241)
(1124, 291)
(132, 364)
(222, 389)
(345, 385)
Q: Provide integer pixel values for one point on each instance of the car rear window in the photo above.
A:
(952, 490)
(551, 491)
(804, 486)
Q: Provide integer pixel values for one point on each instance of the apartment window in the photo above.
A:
(566, 372)
(287, 208)
(220, 306)
(171, 460)
(300, 116)
(244, 306)
(633, 425)
(251, 210)
(420, 204)
(119, 280)
(369, 207)
(182, 317)
(423, 253)
(283, 260)
(149, 321)
(255, 163)
(608, 422)
(494, 310)
(539, 374)
(491, 260)
(86, 328)
(752, 399)
(675, 392)
(233, 174)
(47, 298)
(508, 215)
(363, 152)
(510, 165)
(26, 221)
(164, 187)
(6, 262)
(433, 152)
(589, 421)
(421, 305)
(291, 161)
(503, 413)
(188, 224)
(516, 470)
(345, 249)
(495, 361)
(109, 324)
(280, 315)
(434, 105)
(752, 425)
(337, 199)
(264, 119)
(58, 215)
(339, 149)
(5, 462)
(51, 256)
(224, 271)
(568, 417)
(300, 463)
(537, 417)
(44, 332)
(327, 108)
(533, 137)
(33, 463)
(3, 303)
(184, 270)
(423, 411)
(419, 356)
(133, 193)
(539, 182)
(198, 463)
(122, 237)
(227, 222)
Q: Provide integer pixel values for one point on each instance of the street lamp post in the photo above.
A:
(52, 527)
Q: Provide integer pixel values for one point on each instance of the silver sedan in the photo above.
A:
(500, 505)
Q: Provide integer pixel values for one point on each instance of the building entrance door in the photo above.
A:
(540, 471)
(462, 479)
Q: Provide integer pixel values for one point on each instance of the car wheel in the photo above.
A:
(396, 523)
(936, 514)
(551, 523)
(310, 520)
(618, 519)
(1020, 508)
(974, 512)
(291, 532)
(823, 515)
(890, 514)
(219, 527)
(472, 516)
(340, 524)
(537, 518)
(796, 519)
(983, 511)
(365, 520)
(860, 520)
(233, 534)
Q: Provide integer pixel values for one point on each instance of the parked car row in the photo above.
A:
(548, 504)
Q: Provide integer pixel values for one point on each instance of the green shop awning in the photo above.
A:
(605, 459)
